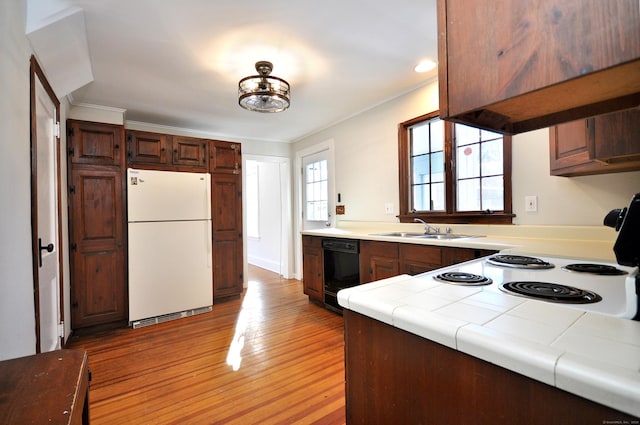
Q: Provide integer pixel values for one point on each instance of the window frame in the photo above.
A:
(449, 215)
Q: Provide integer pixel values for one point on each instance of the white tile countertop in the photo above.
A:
(584, 242)
(591, 355)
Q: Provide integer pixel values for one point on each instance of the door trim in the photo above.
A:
(328, 145)
(36, 72)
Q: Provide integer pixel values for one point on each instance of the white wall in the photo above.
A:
(563, 200)
(265, 251)
(17, 321)
(366, 151)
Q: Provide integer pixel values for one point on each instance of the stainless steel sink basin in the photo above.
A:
(444, 236)
(424, 235)
(400, 234)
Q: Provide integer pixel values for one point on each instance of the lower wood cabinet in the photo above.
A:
(395, 377)
(415, 259)
(381, 259)
(378, 260)
(313, 268)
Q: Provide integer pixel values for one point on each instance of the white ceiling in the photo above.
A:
(177, 63)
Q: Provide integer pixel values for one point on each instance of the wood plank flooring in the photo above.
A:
(270, 357)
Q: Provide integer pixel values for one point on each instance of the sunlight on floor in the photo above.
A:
(251, 304)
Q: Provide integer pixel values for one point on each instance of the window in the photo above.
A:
(317, 195)
(453, 173)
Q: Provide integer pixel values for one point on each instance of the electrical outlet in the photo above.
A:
(531, 203)
(388, 208)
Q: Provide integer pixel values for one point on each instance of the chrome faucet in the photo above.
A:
(427, 227)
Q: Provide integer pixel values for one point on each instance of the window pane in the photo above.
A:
(437, 196)
(468, 161)
(317, 191)
(492, 158)
(437, 167)
(421, 198)
(437, 135)
(466, 135)
(420, 139)
(420, 167)
(469, 195)
(493, 193)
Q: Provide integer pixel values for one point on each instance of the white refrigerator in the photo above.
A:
(169, 233)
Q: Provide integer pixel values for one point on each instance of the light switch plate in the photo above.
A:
(388, 208)
(531, 203)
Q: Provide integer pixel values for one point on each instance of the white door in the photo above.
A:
(46, 237)
(317, 191)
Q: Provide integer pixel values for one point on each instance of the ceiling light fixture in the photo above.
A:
(263, 92)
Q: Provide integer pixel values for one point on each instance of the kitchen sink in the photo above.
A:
(424, 235)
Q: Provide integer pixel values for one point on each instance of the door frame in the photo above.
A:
(36, 71)
(328, 145)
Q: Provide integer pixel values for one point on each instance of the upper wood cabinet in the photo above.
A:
(225, 157)
(162, 151)
(95, 143)
(604, 144)
(519, 65)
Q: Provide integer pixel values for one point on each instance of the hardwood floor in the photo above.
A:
(268, 358)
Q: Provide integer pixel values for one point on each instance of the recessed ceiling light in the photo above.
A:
(425, 66)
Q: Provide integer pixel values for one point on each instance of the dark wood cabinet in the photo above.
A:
(453, 255)
(523, 65)
(189, 152)
(147, 148)
(607, 143)
(313, 268)
(166, 152)
(226, 219)
(395, 377)
(415, 259)
(224, 157)
(95, 143)
(97, 228)
(378, 260)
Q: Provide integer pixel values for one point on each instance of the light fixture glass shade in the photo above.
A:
(263, 92)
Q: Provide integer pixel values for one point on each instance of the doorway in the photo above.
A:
(267, 196)
(46, 213)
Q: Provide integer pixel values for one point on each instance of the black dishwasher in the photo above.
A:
(341, 268)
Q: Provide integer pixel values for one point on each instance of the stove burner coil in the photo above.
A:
(599, 269)
(461, 278)
(520, 262)
(551, 292)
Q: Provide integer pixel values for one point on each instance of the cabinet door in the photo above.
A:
(97, 236)
(225, 157)
(452, 256)
(226, 222)
(604, 144)
(189, 152)
(526, 65)
(312, 268)
(415, 259)
(617, 137)
(378, 260)
(94, 143)
(147, 148)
